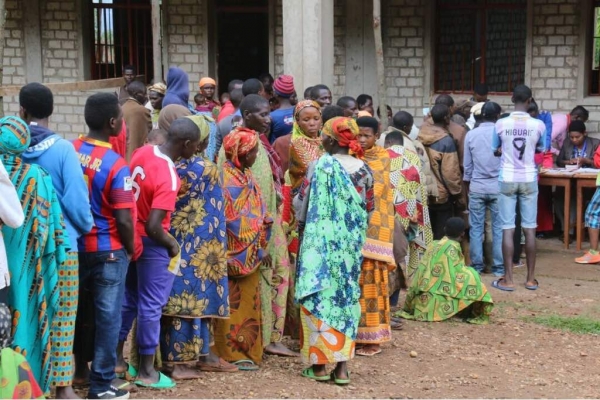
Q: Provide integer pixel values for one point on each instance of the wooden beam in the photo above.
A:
(380, 64)
(156, 41)
(82, 86)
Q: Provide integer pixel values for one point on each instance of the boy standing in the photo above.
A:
(105, 251)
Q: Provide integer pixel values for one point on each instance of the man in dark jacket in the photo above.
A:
(443, 156)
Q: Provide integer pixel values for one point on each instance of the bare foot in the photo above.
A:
(66, 392)
(219, 365)
(319, 370)
(184, 371)
(279, 349)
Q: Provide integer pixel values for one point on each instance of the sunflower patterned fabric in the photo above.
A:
(329, 264)
(200, 290)
(443, 287)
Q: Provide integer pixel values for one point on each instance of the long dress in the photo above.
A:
(240, 337)
(200, 291)
(374, 326)
(443, 287)
(35, 253)
(331, 210)
(410, 198)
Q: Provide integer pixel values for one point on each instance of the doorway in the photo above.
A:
(242, 39)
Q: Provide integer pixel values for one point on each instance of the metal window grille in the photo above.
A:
(594, 78)
(122, 35)
(480, 41)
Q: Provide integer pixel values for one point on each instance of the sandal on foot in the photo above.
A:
(396, 326)
(532, 287)
(164, 382)
(339, 381)
(497, 285)
(246, 365)
(310, 374)
(222, 366)
(367, 353)
(128, 375)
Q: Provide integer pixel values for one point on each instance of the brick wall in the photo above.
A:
(187, 39)
(14, 53)
(404, 54)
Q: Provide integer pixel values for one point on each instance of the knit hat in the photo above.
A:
(284, 86)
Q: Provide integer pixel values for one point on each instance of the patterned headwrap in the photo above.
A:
(206, 81)
(14, 135)
(159, 88)
(305, 104)
(201, 122)
(5, 326)
(239, 143)
(344, 131)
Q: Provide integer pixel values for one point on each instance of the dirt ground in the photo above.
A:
(509, 358)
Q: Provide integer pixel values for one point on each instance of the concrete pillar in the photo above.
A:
(33, 41)
(308, 42)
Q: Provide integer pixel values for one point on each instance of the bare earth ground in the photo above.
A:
(509, 358)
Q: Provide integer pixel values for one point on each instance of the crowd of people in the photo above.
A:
(203, 232)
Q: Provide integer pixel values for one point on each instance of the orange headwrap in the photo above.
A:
(344, 131)
(206, 81)
(238, 143)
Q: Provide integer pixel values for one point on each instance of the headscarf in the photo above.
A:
(14, 135)
(302, 105)
(159, 88)
(344, 131)
(202, 124)
(169, 114)
(5, 326)
(178, 88)
(206, 81)
(239, 143)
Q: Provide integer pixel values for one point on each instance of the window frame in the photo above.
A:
(584, 58)
(481, 9)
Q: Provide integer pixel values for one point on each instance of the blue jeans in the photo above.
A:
(527, 194)
(478, 204)
(102, 276)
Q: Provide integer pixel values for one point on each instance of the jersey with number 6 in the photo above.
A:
(110, 188)
(155, 185)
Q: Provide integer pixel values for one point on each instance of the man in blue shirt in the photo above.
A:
(481, 177)
(282, 119)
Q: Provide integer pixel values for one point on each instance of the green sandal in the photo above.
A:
(338, 381)
(310, 374)
(164, 382)
(246, 365)
(130, 374)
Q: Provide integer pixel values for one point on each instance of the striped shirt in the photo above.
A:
(110, 188)
(520, 136)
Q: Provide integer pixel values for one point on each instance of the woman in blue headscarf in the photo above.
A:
(178, 88)
(35, 251)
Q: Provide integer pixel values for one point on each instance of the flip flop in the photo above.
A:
(130, 374)
(251, 366)
(497, 285)
(396, 326)
(310, 374)
(164, 382)
(532, 287)
(361, 352)
(338, 381)
(222, 366)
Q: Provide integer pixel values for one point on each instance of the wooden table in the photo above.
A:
(584, 180)
(564, 180)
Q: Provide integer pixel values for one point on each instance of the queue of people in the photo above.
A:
(204, 232)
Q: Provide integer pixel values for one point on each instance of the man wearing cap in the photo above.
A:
(481, 180)
(282, 119)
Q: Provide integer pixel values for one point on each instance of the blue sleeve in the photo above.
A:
(546, 118)
(496, 141)
(76, 194)
(467, 159)
(541, 144)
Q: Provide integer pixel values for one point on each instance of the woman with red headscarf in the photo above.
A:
(239, 338)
